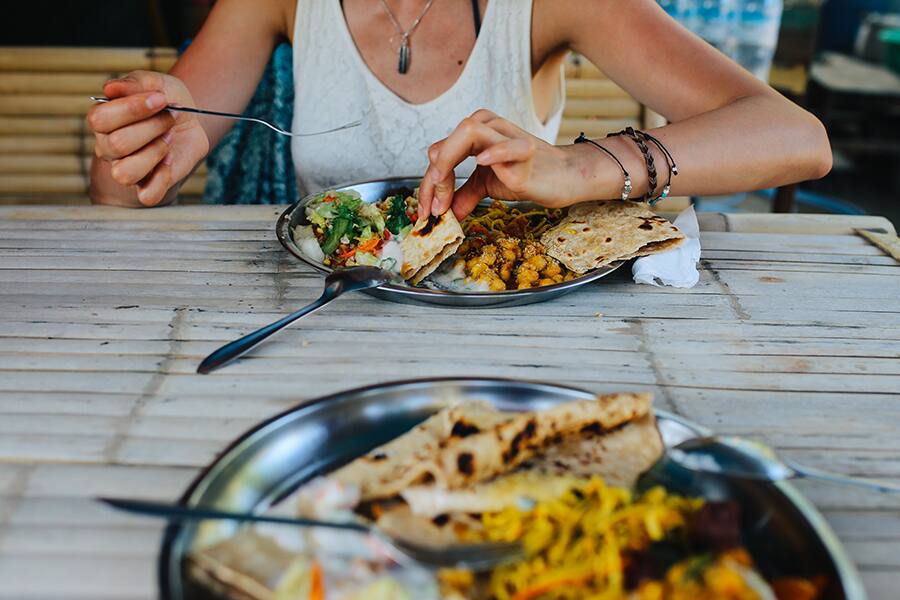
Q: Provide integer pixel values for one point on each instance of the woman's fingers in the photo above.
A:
(471, 137)
(131, 138)
(115, 114)
(135, 82)
(508, 151)
(467, 197)
(153, 189)
(132, 169)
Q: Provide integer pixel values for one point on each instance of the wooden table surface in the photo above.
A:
(105, 314)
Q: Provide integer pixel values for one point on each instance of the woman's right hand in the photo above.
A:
(146, 146)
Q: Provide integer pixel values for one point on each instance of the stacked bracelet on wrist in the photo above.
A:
(641, 138)
(628, 186)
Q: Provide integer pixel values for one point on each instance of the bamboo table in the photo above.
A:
(790, 337)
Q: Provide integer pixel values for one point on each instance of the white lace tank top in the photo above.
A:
(335, 86)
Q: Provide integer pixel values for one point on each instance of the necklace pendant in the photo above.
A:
(403, 63)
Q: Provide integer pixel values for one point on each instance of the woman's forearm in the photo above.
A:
(753, 143)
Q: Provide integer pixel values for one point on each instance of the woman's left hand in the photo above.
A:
(512, 165)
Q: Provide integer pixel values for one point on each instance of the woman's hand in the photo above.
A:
(144, 145)
(512, 165)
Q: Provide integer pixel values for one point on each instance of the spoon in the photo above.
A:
(475, 557)
(237, 117)
(337, 283)
(753, 460)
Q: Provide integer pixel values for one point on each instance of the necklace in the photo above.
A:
(403, 63)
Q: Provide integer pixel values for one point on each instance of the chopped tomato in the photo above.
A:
(316, 583)
(387, 234)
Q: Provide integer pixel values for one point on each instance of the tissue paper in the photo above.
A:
(677, 267)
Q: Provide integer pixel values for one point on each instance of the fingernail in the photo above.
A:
(155, 101)
(168, 159)
(483, 157)
(167, 138)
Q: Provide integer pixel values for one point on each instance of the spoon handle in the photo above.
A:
(234, 349)
(176, 512)
(811, 473)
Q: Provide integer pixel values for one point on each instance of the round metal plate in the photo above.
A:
(783, 531)
(373, 191)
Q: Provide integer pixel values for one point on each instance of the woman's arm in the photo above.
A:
(729, 132)
(144, 153)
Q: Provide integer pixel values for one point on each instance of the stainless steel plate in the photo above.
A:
(783, 531)
(373, 191)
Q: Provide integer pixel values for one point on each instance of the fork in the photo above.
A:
(237, 117)
(477, 557)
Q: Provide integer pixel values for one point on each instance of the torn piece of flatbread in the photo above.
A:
(618, 456)
(247, 566)
(428, 244)
(595, 234)
(472, 442)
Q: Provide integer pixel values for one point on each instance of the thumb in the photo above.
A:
(135, 82)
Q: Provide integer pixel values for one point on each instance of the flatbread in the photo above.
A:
(247, 566)
(470, 443)
(618, 456)
(428, 244)
(595, 234)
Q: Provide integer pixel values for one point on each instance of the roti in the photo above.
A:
(618, 456)
(470, 443)
(595, 234)
(430, 242)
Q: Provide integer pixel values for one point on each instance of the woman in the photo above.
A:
(414, 69)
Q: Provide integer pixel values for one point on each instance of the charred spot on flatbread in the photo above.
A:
(465, 462)
(464, 429)
(431, 241)
(441, 519)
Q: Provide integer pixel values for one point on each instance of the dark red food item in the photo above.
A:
(716, 527)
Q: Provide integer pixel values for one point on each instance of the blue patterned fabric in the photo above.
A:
(252, 164)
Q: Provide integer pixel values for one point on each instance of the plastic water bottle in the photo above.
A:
(757, 35)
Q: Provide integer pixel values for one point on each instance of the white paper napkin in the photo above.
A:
(677, 267)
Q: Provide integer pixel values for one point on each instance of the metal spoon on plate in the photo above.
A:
(740, 457)
(337, 283)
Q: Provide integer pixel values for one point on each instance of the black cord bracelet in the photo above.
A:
(631, 134)
(628, 186)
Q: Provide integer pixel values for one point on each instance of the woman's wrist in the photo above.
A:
(592, 174)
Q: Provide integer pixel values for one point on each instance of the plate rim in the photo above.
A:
(850, 579)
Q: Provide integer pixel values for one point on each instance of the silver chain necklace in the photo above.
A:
(403, 63)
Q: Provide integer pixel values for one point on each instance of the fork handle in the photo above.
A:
(234, 349)
(177, 512)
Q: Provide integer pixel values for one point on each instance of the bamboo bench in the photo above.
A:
(46, 145)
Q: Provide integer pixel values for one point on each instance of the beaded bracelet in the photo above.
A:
(628, 186)
(631, 134)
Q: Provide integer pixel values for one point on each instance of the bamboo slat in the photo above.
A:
(69, 184)
(20, 125)
(52, 164)
(85, 60)
(53, 83)
(593, 88)
(42, 104)
(46, 144)
(604, 108)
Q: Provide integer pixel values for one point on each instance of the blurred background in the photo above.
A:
(838, 58)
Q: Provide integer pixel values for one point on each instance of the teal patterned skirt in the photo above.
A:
(252, 164)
